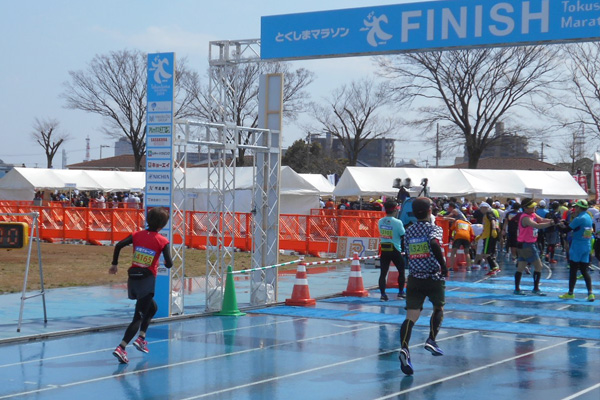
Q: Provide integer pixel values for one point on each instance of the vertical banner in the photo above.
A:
(159, 157)
(596, 176)
(581, 179)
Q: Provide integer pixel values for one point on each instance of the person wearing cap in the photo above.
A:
(580, 249)
(391, 231)
(527, 250)
(489, 237)
(426, 278)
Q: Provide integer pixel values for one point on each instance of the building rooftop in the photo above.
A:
(511, 163)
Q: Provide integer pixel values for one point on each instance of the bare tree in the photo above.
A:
(353, 116)
(46, 134)
(243, 110)
(469, 91)
(583, 92)
(114, 86)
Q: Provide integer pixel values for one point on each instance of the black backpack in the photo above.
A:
(513, 225)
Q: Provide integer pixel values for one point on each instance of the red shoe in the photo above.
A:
(553, 261)
(121, 355)
(141, 344)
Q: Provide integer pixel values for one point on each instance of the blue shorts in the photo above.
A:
(528, 252)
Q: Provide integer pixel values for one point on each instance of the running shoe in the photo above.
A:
(383, 297)
(538, 292)
(493, 271)
(566, 296)
(401, 295)
(520, 292)
(591, 297)
(553, 261)
(141, 344)
(527, 271)
(121, 355)
(405, 364)
(432, 347)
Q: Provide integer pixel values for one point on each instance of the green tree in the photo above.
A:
(307, 158)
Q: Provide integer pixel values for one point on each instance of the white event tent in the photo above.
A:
(320, 182)
(297, 195)
(368, 182)
(21, 183)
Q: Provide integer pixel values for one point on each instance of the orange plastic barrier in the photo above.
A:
(306, 234)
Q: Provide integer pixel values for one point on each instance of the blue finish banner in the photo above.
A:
(435, 25)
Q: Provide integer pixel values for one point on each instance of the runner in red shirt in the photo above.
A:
(147, 248)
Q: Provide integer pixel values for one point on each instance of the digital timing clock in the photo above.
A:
(13, 235)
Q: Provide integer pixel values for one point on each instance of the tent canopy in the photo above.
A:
(367, 182)
(20, 183)
(320, 182)
(297, 195)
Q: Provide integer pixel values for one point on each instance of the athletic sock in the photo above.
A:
(518, 276)
(435, 322)
(405, 332)
(536, 280)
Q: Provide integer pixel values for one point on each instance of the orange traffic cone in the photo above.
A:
(461, 259)
(300, 293)
(355, 286)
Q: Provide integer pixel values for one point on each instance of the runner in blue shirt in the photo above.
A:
(580, 249)
(391, 231)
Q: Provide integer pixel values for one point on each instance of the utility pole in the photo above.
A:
(437, 146)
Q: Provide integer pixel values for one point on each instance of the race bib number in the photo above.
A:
(588, 233)
(143, 257)
(418, 248)
(463, 226)
(386, 232)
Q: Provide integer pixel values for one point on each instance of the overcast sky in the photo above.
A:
(43, 40)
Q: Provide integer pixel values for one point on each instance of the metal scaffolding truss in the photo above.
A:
(220, 142)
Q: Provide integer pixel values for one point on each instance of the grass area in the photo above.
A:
(66, 265)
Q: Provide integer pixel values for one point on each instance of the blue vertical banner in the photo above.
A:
(159, 157)
(428, 25)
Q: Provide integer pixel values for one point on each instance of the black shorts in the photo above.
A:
(457, 243)
(418, 289)
(140, 288)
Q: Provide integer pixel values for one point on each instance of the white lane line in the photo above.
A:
(141, 371)
(412, 389)
(576, 395)
(150, 342)
(306, 371)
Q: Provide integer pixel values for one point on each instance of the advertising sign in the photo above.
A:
(428, 25)
(159, 156)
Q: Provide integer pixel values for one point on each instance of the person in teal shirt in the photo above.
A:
(391, 231)
(580, 249)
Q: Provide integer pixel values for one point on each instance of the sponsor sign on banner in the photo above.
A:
(428, 25)
(159, 130)
(159, 156)
(161, 188)
(159, 153)
(162, 141)
(347, 246)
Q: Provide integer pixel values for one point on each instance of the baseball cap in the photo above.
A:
(528, 203)
(484, 204)
(582, 204)
(542, 203)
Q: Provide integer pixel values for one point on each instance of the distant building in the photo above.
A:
(123, 147)
(527, 164)
(378, 153)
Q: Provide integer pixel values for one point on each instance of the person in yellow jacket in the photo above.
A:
(490, 237)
